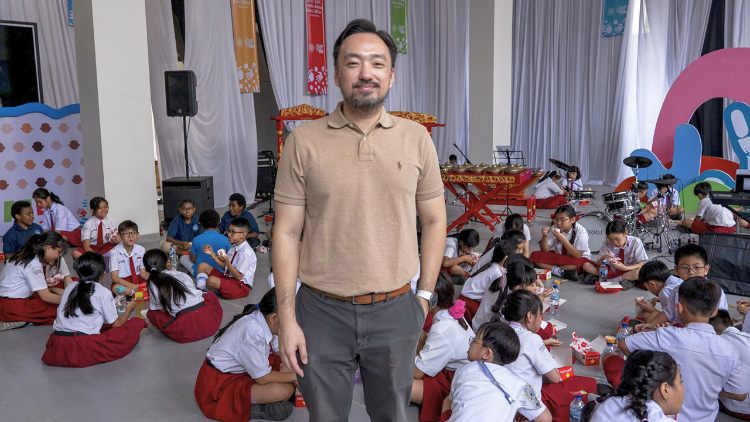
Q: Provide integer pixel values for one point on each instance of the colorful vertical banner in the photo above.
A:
(245, 45)
(398, 24)
(70, 12)
(613, 17)
(317, 70)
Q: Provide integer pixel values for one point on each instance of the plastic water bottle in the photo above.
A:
(623, 332)
(576, 408)
(554, 308)
(610, 348)
(603, 272)
(120, 303)
(173, 257)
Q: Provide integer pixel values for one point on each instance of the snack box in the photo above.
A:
(544, 274)
(590, 358)
(299, 401)
(566, 372)
(600, 289)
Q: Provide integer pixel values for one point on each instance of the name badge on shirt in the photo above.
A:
(195, 227)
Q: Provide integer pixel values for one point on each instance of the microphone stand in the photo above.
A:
(462, 153)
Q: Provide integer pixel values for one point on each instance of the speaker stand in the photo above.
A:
(185, 134)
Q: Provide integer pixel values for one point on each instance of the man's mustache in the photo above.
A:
(362, 83)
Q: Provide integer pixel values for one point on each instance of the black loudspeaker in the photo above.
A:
(729, 257)
(266, 174)
(180, 85)
(200, 190)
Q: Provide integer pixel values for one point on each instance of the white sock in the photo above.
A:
(557, 272)
(200, 281)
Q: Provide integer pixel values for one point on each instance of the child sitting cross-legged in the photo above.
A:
(236, 279)
(725, 329)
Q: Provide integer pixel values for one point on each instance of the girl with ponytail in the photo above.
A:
(651, 388)
(519, 275)
(511, 223)
(457, 258)
(476, 285)
(25, 296)
(176, 307)
(78, 340)
(564, 246)
(57, 217)
(241, 376)
(445, 350)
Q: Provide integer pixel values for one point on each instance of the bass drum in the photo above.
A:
(595, 224)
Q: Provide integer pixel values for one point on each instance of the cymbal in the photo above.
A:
(661, 181)
(640, 162)
(561, 165)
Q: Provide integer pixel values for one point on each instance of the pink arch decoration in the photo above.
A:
(719, 74)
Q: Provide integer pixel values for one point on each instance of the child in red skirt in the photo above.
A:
(445, 350)
(126, 260)
(239, 264)
(549, 195)
(565, 246)
(709, 217)
(87, 305)
(241, 378)
(651, 389)
(57, 217)
(457, 258)
(181, 311)
(99, 233)
(25, 296)
(476, 285)
(625, 254)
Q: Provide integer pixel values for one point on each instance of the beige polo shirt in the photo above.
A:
(359, 192)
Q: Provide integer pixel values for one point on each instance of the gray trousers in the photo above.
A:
(381, 338)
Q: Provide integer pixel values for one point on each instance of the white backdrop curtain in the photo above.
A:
(736, 34)
(56, 46)
(431, 78)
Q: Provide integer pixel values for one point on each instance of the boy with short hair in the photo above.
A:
(23, 228)
(237, 209)
(126, 260)
(711, 366)
(709, 216)
(209, 220)
(453, 159)
(182, 231)
(724, 328)
(237, 266)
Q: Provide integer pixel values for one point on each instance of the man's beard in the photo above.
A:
(367, 104)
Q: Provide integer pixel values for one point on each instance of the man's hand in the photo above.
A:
(291, 341)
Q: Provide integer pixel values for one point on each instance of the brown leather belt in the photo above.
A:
(367, 299)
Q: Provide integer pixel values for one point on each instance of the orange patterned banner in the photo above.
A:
(245, 45)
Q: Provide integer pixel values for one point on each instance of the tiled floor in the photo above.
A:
(155, 382)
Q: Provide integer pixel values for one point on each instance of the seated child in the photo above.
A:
(78, 340)
(444, 351)
(564, 247)
(649, 209)
(457, 258)
(99, 233)
(24, 294)
(476, 285)
(513, 222)
(743, 306)
(725, 329)
(710, 366)
(709, 216)
(182, 231)
(651, 389)
(235, 279)
(476, 397)
(453, 159)
(23, 228)
(57, 217)
(691, 261)
(669, 197)
(237, 206)
(515, 237)
(241, 378)
(549, 195)
(572, 181)
(126, 261)
(625, 255)
(209, 220)
(183, 313)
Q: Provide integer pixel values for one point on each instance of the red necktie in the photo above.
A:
(44, 270)
(51, 220)
(622, 255)
(231, 261)
(135, 278)
(571, 185)
(100, 235)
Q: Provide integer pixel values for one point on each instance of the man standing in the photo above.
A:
(354, 180)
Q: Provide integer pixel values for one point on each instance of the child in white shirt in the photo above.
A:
(239, 264)
(457, 258)
(549, 195)
(564, 247)
(725, 329)
(99, 233)
(709, 217)
(625, 255)
(476, 285)
(57, 217)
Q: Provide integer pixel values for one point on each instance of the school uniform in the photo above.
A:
(549, 195)
(19, 300)
(708, 364)
(16, 236)
(445, 351)
(669, 296)
(451, 251)
(670, 199)
(227, 218)
(127, 265)
(571, 184)
(233, 363)
(475, 398)
(77, 341)
(484, 313)
(184, 231)
(209, 237)
(243, 259)
(558, 255)
(631, 253)
(475, 287)
(59, 218)
(714, 218)
(500, 231)
(272, 283)
(99, 233)
(741, 341)
(195, 318)
(483, 260)
(55, 272)
(615, 409)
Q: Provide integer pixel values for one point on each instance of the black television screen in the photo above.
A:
(20, 77)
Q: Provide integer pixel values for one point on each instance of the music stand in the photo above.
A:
(509, 155)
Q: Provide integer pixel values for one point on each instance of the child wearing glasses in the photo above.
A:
(126, 261)
(182, 231)
(235, 279)
(692, 261)
(565, 246)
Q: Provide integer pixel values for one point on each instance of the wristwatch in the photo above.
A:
(430, 297)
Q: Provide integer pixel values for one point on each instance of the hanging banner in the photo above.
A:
(398, 24)
(245, 42)
(613, 17)
(70, 12)
(317, 71)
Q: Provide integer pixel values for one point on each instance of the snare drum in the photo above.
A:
(616, 196)
(623, 206)
(582, 195)
(595, 224)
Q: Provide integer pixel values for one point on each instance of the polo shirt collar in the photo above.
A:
(337, 120)
(701, 326)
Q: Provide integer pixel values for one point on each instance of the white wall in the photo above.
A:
(115, 95)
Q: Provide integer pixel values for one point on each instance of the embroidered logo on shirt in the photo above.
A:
(195, 227)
